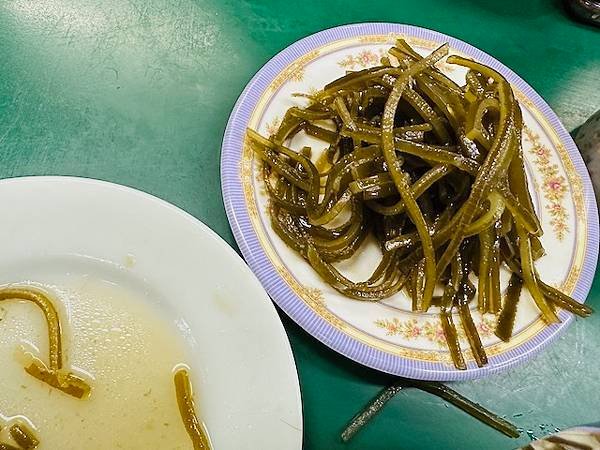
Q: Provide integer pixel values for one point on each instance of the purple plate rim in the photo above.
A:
(292, 304)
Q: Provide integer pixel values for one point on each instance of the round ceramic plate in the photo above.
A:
(59, 228)
(387, 335)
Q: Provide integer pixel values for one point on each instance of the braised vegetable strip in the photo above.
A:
(433, 171)
(364, 416)
(185, 401)
(471, 408)
(506, 320)
(53, 374)
(21, 434)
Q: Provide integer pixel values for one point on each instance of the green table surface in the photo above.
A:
(138, 92)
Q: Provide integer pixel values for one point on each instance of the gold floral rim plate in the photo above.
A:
(387, 335)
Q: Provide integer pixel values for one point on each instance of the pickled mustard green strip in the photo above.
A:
(446, 318)
(423, 109)
(411, 290)
(419, 289)
(284, 169)
(321, 133)
(330, 273)
(518, 179)
(417, 189)
(298, 207)
(310, 115)
(365, 415)
(553, 295)
(355, 78)
(376, 186)
(354, 290)
(414, 128)
(428, 114)
(485, 259)
(530, 280)
(67, 382)
(4, 446)
(494, 294)
(285, 228)
(53, 373)
(355, 225)
(474, 127)
(437, 154)
(187, 409)
(331, 209)
(23, 436)
(266, 149)
(337, 194)
(298, 118)
(472, 335)
(474, 88)
(387, 263)
(464, 294)
(493, 214)
(522, 216)
(289, 126)
(448, 103)
(402, 50)
(452, 340)
(334, 244)
(473, 409)
(506, 320)
(564, 301)
(341, 108)
(402, 241)
(55, 356)
(371, 134)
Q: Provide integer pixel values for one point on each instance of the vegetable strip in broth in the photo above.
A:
(53, 374)
(187, 409)
(22, 435)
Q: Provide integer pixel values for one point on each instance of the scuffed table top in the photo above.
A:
(139, 93)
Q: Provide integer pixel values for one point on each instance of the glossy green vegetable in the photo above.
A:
(187, 409)
(24, 436)
(53, 374)
(430, 170)
(364, 416)
(20, 433)
(446, 317)
(506, 320)
(471, 408)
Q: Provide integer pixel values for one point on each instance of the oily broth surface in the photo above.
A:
(128, 349)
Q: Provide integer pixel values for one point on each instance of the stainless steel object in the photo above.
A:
(587, 10)
(588, 141)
